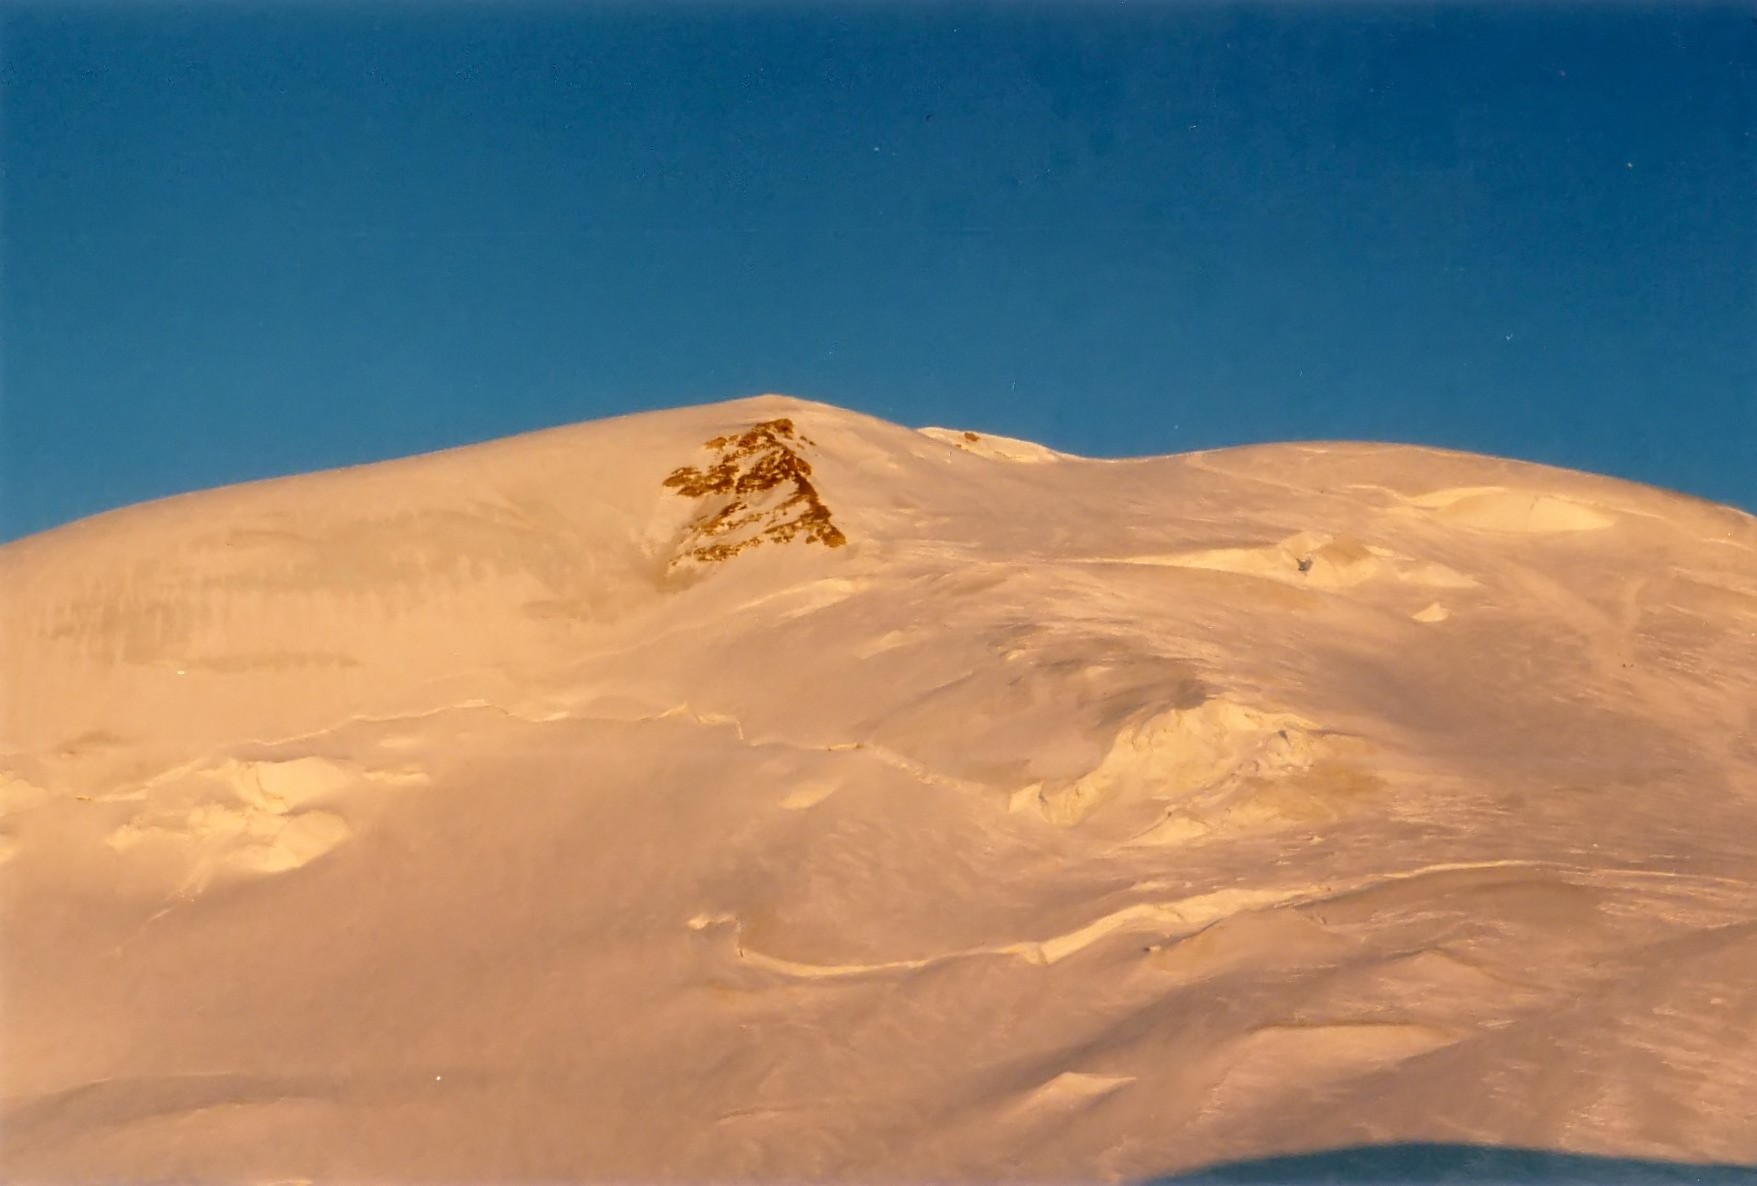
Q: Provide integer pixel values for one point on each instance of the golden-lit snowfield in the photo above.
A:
(761, 790)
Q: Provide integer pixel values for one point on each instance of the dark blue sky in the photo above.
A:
(246, 239)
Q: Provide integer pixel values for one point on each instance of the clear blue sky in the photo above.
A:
(247, 239)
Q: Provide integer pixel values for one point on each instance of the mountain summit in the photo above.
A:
(763, 790)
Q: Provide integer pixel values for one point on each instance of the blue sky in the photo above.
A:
(243, 240)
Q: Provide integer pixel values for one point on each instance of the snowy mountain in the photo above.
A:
(762, 790)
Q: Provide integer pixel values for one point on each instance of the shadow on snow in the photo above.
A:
(1421, 1163)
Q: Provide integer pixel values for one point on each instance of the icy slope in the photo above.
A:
(762, 789)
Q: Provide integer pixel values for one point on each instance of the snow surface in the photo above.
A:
(948, 807)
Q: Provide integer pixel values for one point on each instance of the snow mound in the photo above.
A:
(1521, 512)
(994, 447)
(1317, 560)
(247, 816)
(1172, 754)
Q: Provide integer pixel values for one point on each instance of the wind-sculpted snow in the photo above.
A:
(596, 805)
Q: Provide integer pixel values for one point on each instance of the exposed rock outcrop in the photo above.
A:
(758, 490)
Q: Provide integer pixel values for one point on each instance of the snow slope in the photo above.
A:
(765, 790)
